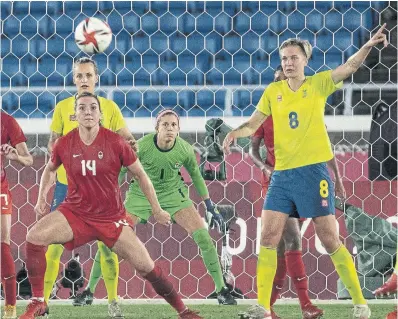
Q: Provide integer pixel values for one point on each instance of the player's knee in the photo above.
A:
(292, 242)
(270, 239)
(34, 237)
(330, 243)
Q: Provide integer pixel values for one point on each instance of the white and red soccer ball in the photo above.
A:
(93, 35)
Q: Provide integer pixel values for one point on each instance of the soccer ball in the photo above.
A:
(93, 35)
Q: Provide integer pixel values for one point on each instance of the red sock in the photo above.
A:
(296, 271)
(164, 288)
(8, 275)
(279, 279)
(36, 265)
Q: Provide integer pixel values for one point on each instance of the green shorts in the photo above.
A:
(171, 202)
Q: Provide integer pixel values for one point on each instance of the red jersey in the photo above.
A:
(11, 133)
(92, 172)
(266, 132)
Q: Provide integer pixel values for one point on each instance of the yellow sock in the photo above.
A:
(266, 269)
(345, 267)
(110, 270)
(53, 257)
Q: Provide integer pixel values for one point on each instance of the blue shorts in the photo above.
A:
(306, 191)
(59, 195)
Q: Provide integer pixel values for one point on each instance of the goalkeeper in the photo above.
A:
(162, 155)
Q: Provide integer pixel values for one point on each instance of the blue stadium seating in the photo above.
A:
(175, 43)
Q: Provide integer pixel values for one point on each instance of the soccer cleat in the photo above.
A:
(84, 298)
(361, 312)
(389, 287)
(256, 312)
(311, 311)
(393, 315)
(114, 310)
(35, 308)
(274, 315)
(224, 297)
(189, 314)
(10, 312)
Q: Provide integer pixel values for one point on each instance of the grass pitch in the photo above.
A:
(379, 311)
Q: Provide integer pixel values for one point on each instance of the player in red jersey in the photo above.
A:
(289, 250)
(93, 208)
(13, 147)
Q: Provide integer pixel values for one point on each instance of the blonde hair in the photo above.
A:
(304, 45)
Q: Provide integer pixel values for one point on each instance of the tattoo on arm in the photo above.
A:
(352, 63)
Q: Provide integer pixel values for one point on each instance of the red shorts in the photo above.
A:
(6, 202)
(264, 191)
(85, 231)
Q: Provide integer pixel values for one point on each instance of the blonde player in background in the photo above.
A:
(85, 77)
(301, 179)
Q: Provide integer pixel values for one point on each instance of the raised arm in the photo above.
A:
(354, 62)
(246, 129)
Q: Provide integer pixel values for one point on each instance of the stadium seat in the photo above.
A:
(72, 8)
(314, 21)
(159, 7)
(223, 61)
(140, 7)
(231, 7)
(305, 7)
(178, 42)
(241, 23)
(195, 77)
(296, 21)
(159, 77)
(115, 20)
(213, 42)
(140, 42)
(250, 42)
(168, 99)
(123, 42)
(168, 24)
(46, 65)
(351, 20)
(333, 20)
(125, 77)
(259, 23)
(213, 7)
(56, 46)
(342, 6)
(46, 102)
(232, 77)
(6, 8)
(196, 111)
(177, 7)
(214, 77)
(241, 61)
(195, 7)
(204, 23)
(133, 100)
(20, 9)
(286, 7)
(195, 43)
(54, 8)
(19, 46)
(323, 6)
(10, 65)
(64, 26)
(215, 111)
(204, 61)
(278, 22)
(186, 99)
(142, 77)
(186, 24)
(29, 68)
(324, 40)
(250, 76)
(119, 98)
(268, 42)
(46, 26)
(250, 7)
(19, 79)
(149, 23)
(11, 27)
(177, 77)
(159, 42)
(256, 95)
(232, 43)
(123, 7)
(222, 23)
(268, 7)
(142, 112)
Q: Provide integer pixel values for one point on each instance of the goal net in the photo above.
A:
(205, 59)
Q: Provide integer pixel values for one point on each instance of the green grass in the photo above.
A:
(207, 311)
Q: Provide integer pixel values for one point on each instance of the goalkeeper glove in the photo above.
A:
(214, 218)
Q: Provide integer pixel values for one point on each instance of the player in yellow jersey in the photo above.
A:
(301, 180)
(85, 77)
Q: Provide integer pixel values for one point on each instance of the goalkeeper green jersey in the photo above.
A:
(163, 166)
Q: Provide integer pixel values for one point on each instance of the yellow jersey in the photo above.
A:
(64, 121)
(300, 135)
